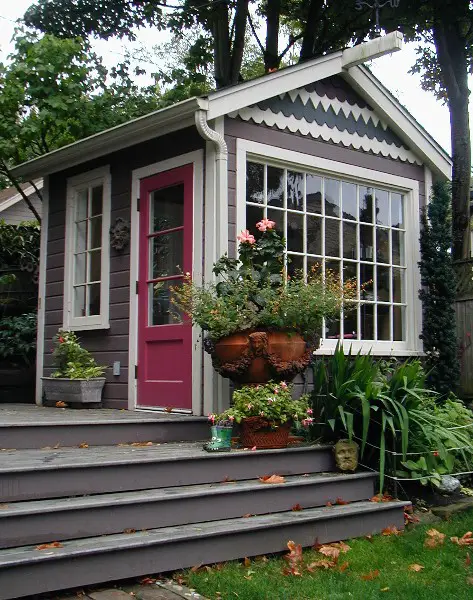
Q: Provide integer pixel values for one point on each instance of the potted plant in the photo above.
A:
(17, 358)
(221, 429)
(261, 324)
(78, 379)
(266, 413)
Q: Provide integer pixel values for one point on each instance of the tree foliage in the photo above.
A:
(438, 292)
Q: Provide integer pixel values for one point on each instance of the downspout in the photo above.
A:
(221, 180)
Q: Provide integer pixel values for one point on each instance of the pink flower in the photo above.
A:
(271, 400)
(261, 414)
(246, 237)
(211, 418)
(283, 384)
(249, 406)
(276, 391)
(265, 224)
(231, 418)
(307, 422)
(309, 411)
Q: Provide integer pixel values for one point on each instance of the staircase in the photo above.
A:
(121, 510)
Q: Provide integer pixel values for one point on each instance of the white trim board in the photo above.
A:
(43, 257)
(410, 188)
(29, 191)
(197, 159)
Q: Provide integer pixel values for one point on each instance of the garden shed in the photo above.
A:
(322, 148)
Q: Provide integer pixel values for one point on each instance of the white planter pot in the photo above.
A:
(73, 391)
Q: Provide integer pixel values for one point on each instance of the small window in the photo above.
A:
(86, 286)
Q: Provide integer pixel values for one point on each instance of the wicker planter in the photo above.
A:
(75, 392)
(257, 432)
(261, 356)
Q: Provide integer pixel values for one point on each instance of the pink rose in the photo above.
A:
(245, 237)
(265, 224)
(309, 411)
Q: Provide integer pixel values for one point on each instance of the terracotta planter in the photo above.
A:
(261, 356)
(257, 432)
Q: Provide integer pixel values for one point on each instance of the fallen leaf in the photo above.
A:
(370, 576)
(343, 567)
(369, 538)
(199, 568)
(50, 545)
(341, 502)
(147, 581)
(179, 579)
(83, 445)
(415, 567)
(141, 444)
(56, 446)
(247, 516)
(228, 480)
(465, 540)
(246, 561)
(342, 546)
(61, 404)
(434, 538)
(467, 560)
(330, 551)
(297, 508)
(381, 498)
(3, 506)
(130, 530)
(323, 563)
(272, 479)
(262, 558)
(391, 530)
(328, 504)
(169, 409)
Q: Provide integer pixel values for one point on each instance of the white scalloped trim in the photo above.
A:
(326, 133)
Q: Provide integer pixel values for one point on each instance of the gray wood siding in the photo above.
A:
(19, 212)
(110, 345)
(236, 128)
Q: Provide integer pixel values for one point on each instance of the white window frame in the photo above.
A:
(100, 176)
(283, 158)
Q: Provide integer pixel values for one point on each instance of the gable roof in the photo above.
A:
(9, 196)
(345, 63)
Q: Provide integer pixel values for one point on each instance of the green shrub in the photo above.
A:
(18, 339)
(73, 361)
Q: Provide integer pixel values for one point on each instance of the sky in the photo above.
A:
(392, 70)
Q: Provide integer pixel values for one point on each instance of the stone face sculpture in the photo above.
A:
(346, 455)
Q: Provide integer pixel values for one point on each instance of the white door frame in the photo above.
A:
(197, 160)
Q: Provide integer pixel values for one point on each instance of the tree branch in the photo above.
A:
(16, 184)
(252, 27)
(36, 189)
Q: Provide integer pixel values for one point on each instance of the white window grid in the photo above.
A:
(357, 262)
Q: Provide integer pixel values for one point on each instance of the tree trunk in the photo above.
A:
(308, 41)
(220, 29)
(241, 17)
(271, 53)
(452, 57)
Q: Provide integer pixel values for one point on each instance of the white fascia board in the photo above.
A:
(392, 42)
(149, 126)
(29, 191)
(399, 120)
(235, 97)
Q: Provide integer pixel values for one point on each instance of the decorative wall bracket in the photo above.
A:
(120, 234)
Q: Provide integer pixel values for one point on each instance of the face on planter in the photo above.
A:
(346, 455)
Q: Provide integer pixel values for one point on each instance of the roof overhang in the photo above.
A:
(16, 196)
(144, 128)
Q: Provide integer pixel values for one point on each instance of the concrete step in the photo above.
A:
(30, 426)
(27, 570)
(36, 522)
(59, 473)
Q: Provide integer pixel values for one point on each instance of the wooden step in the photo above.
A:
(59, 473)
(36, 522)
(26, 570)
(29, 426)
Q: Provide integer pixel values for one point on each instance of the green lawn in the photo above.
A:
(445, 576)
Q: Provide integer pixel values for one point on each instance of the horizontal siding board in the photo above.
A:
(56, 233)
(120, 263)
(55, 275)
(55, 247)
(55, 261)
(54, 289)
(119, 295)
(53, 317)
(116, 391)
(120, 279)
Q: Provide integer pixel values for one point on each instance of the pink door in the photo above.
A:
(164, 344)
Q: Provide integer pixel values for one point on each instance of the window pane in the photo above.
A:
(366, 204)
(97, 195)
(332, 328)
(366, 242)
(399, 318)
(314, 235)
(167, 254)
(95, 269)
(313, 194)
(349, 201)
(398, 247)
(295, 232)
(81, 205)
(295, 191)
(79, 301)
(382, 208)
(397, 210)
(384, 319)
(367, 321)
(167, 208)
(80, 265)
(350, 271)
(382, 283)
(332, 237)
(382, 245)
(254, 214)
(332, 197)
(366, 280)
(295, 265)
(314, 265)
(275, 186)
(95, 232)
(94, 299)
(161, 309)
(81, 236)
(398, 285)
(350, 244)
(350, 323)
(254, 183)
(278, 217)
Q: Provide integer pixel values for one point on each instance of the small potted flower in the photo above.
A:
(266, 413)
(78, 379)
(221, 433)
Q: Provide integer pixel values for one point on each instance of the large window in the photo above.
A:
(87, 251)
(354, 228)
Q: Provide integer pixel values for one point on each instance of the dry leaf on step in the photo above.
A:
(272, 479)
(49, 546)
(83, 445)
(61, 404)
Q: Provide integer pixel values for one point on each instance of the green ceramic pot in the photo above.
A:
(220, 439)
